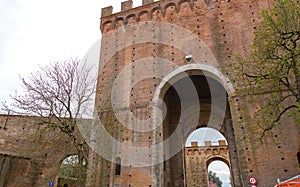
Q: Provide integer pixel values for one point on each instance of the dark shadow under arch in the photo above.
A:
(171, 99)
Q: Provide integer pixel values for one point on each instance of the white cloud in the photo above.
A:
(222, 171)
(34, 32)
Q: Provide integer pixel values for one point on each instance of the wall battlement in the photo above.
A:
(208, 149)
(197, 159)
(151, 8)
(128, 5)
(215, 30)
(209, 143)
(125, 6)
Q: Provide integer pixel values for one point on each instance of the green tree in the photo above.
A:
(272, 68)
(69, 170)
(214, 178)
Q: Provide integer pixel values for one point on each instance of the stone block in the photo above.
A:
(146, 2)
(126, 5)
(194, 144)
(107, 11)
(222, 142)
(207, 143)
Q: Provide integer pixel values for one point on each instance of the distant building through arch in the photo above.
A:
(198, 158)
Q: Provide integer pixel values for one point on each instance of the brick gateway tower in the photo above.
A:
(150, 55)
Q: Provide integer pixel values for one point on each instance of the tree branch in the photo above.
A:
(273, 124)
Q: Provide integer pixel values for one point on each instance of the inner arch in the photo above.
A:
(203, 77)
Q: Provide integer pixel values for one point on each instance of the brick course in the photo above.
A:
(226, 28)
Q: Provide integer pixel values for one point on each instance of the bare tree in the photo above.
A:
(60, 93)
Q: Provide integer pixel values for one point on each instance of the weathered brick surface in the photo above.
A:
(197, 159)
(226, 28)
(17, 171)
(126, 5)
(276, 156)
(30, 154)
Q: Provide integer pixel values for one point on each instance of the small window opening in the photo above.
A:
(118, 166)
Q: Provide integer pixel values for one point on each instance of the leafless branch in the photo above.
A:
(60, 93)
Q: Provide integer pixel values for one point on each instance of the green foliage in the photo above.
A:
(214, 178)
(70, 171)
(275, 55)
(272, 68)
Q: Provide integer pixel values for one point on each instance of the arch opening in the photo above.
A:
(219, 174)
(207, 148)
(72, 172)
(207, 89)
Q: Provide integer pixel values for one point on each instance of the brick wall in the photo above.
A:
(30, 154)
(225, 28)
(197, 159)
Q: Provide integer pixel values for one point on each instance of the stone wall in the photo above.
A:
(30, 153)
(198, 158)
(17, 171)
(223, 28)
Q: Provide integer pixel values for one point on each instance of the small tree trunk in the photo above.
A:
(297, 77)
(298, 88)
(80, 179)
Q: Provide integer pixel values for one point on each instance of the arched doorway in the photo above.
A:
(182, 93)
(71, 174)
(219, 171)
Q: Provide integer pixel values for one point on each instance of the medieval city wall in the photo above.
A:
(225, 27)
(197, 159)
(30, 153)
(212, 32)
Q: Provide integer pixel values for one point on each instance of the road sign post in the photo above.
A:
(252, 180)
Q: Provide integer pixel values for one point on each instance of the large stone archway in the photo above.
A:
(209, 107)
(223, 28)
(129, 38)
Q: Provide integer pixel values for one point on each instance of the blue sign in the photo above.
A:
(51, 183)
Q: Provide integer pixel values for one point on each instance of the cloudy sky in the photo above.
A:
(222, 171)
(204, 134)
(38, 32)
